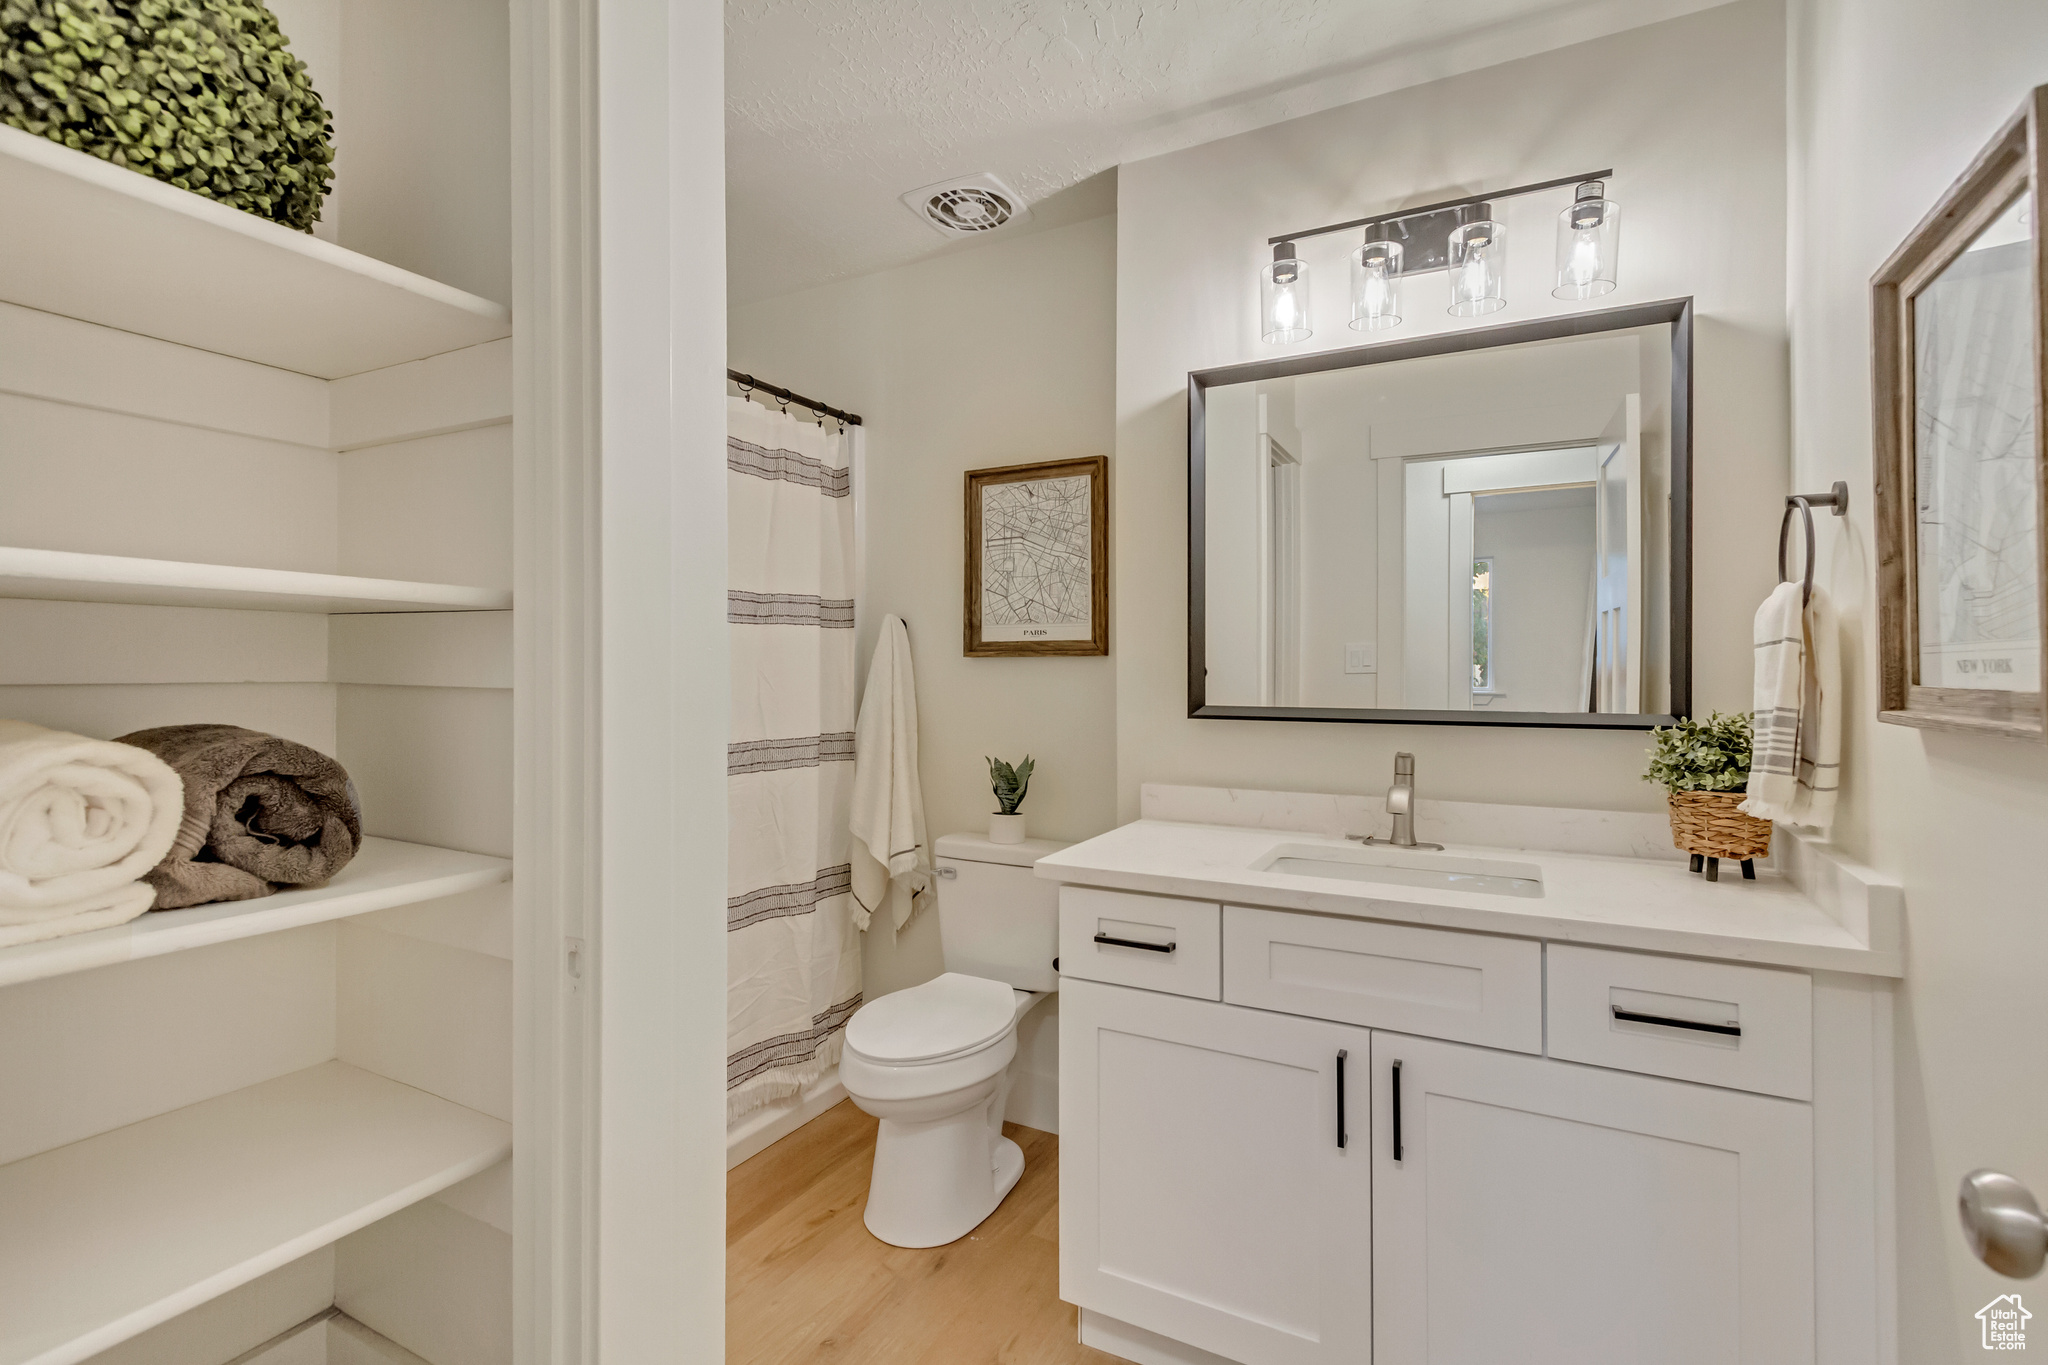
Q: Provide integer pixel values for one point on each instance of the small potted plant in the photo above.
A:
(1006, 826)
(1703, 765)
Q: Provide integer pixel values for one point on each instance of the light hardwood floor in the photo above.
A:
(807, 1282)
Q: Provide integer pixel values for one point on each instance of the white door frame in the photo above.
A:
(620, 708)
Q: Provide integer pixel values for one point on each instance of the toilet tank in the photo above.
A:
(997, 919)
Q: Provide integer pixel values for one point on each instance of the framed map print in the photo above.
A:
(1038, 559)
(1957, 331)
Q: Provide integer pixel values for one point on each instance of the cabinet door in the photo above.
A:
(1554, 1214)
(1203, 1193)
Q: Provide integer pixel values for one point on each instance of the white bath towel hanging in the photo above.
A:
(81, 820)
(1795, 770)
(891, 855)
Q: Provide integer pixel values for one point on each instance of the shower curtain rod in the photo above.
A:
(748, 383)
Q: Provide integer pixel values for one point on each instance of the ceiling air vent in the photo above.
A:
(968, 205)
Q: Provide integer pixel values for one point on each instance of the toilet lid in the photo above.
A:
(945, 1016)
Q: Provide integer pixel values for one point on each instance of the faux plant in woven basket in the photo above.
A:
(1703, 765)
(203, 94)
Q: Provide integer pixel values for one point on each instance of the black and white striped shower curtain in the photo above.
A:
(793, 953)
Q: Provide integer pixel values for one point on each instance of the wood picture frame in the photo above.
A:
(1027, 585)
(2008, 175)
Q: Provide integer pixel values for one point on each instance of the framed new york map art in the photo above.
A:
(1962, 466)
(1038, 559)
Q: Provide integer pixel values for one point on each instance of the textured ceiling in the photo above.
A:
(836, 107)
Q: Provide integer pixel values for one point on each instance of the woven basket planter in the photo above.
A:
(1708, 824)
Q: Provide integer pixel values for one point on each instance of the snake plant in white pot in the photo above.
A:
(1005, 825)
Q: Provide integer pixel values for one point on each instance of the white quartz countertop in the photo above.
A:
(1620, 902)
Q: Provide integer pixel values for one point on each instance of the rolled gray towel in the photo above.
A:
(261, 813)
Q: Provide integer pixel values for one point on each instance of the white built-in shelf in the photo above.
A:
(92, 240)
(384, 873)
(63, 576)
(106, 1238)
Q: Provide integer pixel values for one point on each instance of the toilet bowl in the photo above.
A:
(932, 1063)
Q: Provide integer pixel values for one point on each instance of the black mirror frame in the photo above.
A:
(1676, 312)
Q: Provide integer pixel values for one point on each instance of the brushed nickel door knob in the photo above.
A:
(2003, 1224)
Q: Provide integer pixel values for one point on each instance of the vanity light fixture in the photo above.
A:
(1283, 296)
(1461, 236)
(1588, 238)
(1376, 283)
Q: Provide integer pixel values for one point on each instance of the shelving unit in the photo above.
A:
(89, 239)
(384, 873)
(107, 1237)
(219, 1124)
(64, 576)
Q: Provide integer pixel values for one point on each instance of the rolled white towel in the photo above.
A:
(80, 821)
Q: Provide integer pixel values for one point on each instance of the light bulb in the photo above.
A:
(1584, 266)
(1588, 240)
(1375, 290)
(1478, 251)
(1283, 297)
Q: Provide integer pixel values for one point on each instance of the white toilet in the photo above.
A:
(932, 1062)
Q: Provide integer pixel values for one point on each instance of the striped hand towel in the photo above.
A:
(1796, 768)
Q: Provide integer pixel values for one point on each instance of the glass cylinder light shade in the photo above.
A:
(1588, 240)
(1283, 297)
(1478, 270)
(1375, 286)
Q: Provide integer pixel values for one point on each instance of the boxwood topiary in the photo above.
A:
(1711, 755)
(203, 94)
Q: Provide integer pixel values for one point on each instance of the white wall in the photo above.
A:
(1541, 545)
(420, 96)
(1889, 101)
(999, 355)
(1234, 465)
(1690, 113)
(423, 139)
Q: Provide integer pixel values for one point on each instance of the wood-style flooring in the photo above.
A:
(807, 1282)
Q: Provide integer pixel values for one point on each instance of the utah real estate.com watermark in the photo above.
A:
(2005, 1323)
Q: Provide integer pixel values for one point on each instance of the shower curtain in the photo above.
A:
(793, 977)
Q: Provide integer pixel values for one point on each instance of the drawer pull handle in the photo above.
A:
(1342, 1136)
(1398, 1148)
(1631, 1017)
(1134, 943)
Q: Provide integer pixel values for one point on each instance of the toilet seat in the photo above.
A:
(948, 1017)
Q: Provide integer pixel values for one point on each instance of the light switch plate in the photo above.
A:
(1359, 657)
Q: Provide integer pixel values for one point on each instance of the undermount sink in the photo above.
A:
(1405, 867)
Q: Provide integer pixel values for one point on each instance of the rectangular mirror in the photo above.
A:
(1488, 526)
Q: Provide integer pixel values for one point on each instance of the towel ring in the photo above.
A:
(1836, 498)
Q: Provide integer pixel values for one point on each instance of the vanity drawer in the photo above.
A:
(1438, 983)
(1747, 1028)
(1168, 944)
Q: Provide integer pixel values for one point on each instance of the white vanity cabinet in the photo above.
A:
(1494, 1203)
(1548, 1213)
(1204, 1193)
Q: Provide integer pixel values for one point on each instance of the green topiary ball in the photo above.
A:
(201, 93)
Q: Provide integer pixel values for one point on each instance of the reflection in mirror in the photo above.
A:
(1484, 531)
(1974, 448)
